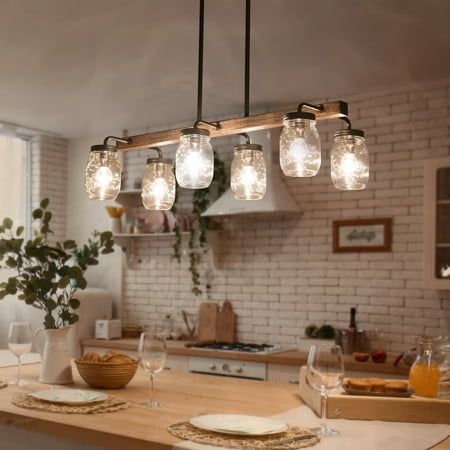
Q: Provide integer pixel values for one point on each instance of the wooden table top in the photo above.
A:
(288, 357)
(184, 395)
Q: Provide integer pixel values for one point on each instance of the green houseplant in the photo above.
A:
(47, 276)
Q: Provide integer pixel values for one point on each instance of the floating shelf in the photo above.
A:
(443, 245)
(143, 235)
(443, 202)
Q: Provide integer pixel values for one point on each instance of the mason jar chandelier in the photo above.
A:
(300, 148)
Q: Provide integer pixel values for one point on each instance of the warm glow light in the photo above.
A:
(103, 175)
(194, 161)
(102, 179)
(300, 148)
(349, 161)
(248, 172)
(158, 184)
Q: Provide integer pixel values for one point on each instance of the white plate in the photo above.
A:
(237, 424)
(70, 396)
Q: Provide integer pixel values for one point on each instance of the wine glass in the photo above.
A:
(325, 372)
(152, 353)
(20, 341)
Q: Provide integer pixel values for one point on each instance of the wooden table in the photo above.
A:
(184, 395)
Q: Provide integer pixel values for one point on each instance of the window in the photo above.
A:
(15, 180)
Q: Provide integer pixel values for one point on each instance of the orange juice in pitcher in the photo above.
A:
(425, 372)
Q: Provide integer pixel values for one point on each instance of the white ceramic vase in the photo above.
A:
(116, 225)
(56, 368)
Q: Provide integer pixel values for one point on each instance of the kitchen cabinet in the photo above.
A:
(437, 224)
(132, 204)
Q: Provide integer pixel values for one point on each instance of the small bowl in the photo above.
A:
(104, 375)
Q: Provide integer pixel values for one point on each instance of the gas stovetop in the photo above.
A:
(239, 347)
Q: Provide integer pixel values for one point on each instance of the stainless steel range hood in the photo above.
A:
(277, 198)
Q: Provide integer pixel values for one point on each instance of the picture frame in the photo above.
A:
(362, 235)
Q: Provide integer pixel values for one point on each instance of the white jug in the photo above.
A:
(56, 368)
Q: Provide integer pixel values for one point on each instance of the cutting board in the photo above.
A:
(397, 409)
(226, 324)
(207, 322)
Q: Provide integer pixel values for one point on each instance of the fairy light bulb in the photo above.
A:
(349, 160)
(103, 173)
(194, 161)
(300, 147)
(158, 184)
(248, 172)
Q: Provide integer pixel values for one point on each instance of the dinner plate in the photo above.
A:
(69, 396)
(351, 391)
(239, 424)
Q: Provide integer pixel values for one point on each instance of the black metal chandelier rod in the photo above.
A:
(201, 32)
(248, 7)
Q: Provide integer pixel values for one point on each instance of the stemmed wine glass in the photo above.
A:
(325, 372)
(20, 341)
(152, 353)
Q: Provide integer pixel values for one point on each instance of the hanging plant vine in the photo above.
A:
(198, 224)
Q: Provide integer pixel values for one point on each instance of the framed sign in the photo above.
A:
(362, 235)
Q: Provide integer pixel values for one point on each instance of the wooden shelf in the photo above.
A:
(443, 202)
(138, 235)
(443, 245)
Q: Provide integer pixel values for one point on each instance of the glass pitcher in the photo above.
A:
(425, 372)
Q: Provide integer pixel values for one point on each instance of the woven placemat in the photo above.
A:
(292, 439)
(111, 404)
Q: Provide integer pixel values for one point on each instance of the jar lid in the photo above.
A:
(299, 115)
(103, 148)
(350, 132)
(160, 161)
(240, 147)
(194, 130)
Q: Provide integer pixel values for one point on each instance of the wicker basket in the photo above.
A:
(106, 375)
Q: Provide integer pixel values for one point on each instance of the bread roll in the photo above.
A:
(396, 386)
(360, 384)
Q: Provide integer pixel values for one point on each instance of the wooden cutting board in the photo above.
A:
(226, 324)
(207, 322)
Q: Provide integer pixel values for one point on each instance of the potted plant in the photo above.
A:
(47, 277)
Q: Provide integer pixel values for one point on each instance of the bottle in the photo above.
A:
(425, 372)
(352, 325)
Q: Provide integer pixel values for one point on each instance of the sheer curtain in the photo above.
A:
(14, 203)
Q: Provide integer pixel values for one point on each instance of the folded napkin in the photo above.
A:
(357, 434)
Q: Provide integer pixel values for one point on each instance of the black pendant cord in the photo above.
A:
(201, 25)
(247, 59)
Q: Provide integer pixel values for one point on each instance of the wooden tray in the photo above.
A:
(396, 409)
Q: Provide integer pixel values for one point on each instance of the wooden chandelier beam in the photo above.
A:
(330, 110)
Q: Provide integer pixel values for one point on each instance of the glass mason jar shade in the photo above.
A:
(248, 172)
(349, 161)
(158, 184)
(300, 148)
(194, 162)
(102, 176)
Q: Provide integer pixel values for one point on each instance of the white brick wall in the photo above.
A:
(280, 272)
(49, 179)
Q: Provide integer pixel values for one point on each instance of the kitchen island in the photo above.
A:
(184, 395)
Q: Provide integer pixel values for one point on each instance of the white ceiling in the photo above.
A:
(79, 67)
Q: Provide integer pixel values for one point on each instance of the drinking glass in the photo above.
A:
(20, 341)
(152, 353)
(325, 372)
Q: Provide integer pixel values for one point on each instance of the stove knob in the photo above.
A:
(213, 367)
(239, 370)
(226, 368)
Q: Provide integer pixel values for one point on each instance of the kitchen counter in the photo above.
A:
(184, 395)
(288, 357)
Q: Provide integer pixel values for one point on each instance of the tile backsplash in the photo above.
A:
(280, 273)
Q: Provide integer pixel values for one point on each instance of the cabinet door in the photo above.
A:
(437, 224)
